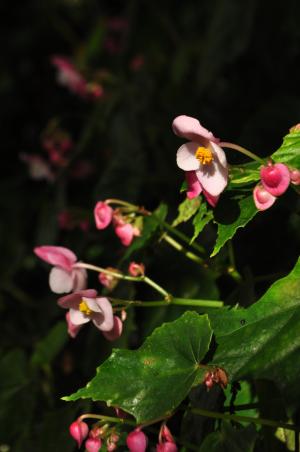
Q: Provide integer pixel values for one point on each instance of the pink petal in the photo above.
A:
(73, 330)
(213, 178)
(219, 154)
(212, 200)
(125, 233)
(116, 331)
(191, 129)
(275, 178)
(194, 186)
(103, 214)
(56, 255)
(262, 198)
(77, 317)
(79, 276)
(60, 280)
(185, 157)
(73, 299)
(106, 321)
(295, 176)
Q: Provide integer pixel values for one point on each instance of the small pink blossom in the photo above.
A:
(275, 178)
(64, 276)
(103, 214)
(38, 167)
(166, 441)
(93, 444)
(262, 198)
(79, 431)
(109, 281)
(69, 76)
(126, 233)
(295, 176)
(136, 269)
(203, 156)
(137, 441)
(116, 331)
(194, 188)
(84, 306)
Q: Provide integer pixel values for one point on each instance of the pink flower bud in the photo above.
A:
(109, 281)
(165, 434)
(136, 269)
(93, 444)
(103, 214)
(275, 178)
(295, 176)
(125, 233)
(79, 431)
(110, 446)
(137, 441)
(262, 198)
(166, 447)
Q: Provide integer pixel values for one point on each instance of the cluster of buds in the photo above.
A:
(94, 437)
(215, 376)
(275, 180)
(126, 226)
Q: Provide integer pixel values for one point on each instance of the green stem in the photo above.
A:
(232, 271)
(121, 203)
(234, 417)
(181, 248)
(144, 279)
(171, 301)
(181, 236)
(244, 151)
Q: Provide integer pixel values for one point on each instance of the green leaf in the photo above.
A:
(241, 175)
(151, 224)
(151, 382)
(243, 210)
(186, 210)
(51, 345)
(203, 217)
(263, 341)
(289, 151)
(230, 439)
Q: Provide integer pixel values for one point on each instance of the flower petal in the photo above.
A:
(60, 280)
(194, 186)
(213, 178)
(73, 299)
(220, 154)
(73, 330)
(275, 178)
(262, 198)
(79, 276)
(185, 157)
(56, 255)
(77, 317)
(191, 129)
(107, 321)
(212, 200)
(116, 331)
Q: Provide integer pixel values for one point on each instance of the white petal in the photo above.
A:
(107, 323)
(186, 159)
(60, 280)
(92, 304)
(79, 276)
(213, 178)
(219, 152)
(77, 317)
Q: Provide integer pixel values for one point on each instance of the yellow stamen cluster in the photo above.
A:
(83, 307)
(204, 155)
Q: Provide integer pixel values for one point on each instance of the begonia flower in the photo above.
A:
(116, 331)
(202, 158)
(136, 269)
(79, 431)
(137, 441)
(103, 214)
(275, 178)
(64, 276)
(166, 441)
(38, 167)
(69, 76)
(73, 330)
(84, 306)
(263, 199)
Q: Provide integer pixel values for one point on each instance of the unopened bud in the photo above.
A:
(295, 176)
(93, 444)
(79, 431)
(137, 441)
(166, 447)
(136, 269)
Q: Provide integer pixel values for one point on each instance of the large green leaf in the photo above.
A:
(243, 211)
(289, 151)
(151, 382)
(230, 439)
(263, 341)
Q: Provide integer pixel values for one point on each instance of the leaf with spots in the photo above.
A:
(263, 340)
(151, 382)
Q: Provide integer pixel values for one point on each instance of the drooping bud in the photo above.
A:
(109, 281)
(103, 214)
(262, 198)
(295, 176)
(275, 178)
(93, 444)
(166, 447)
(166, 441)
(136, 269)
(79, 431)
(125, 233)
(137, 441)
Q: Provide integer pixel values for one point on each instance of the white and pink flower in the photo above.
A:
(65, 276)
(202, 159)
(69, 76)
(103, 214)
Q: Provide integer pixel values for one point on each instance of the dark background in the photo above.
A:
(234, 65)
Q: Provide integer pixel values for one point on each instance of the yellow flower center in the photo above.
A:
(204, 155)
(83, 307)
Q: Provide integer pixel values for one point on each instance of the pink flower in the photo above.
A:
(166, 441)
(295, 176)
(126, 233)
(103, 214)
(194, 188)
(135, 269)
(166, 447)
(116, 331)
(64, 276)
(73, 330)
(79, 431)
(69, 76)
(109, 281)
(85, 306)
(262, 198)
(93, 444)
(275, 178)
(203, 156)
(137, 441)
